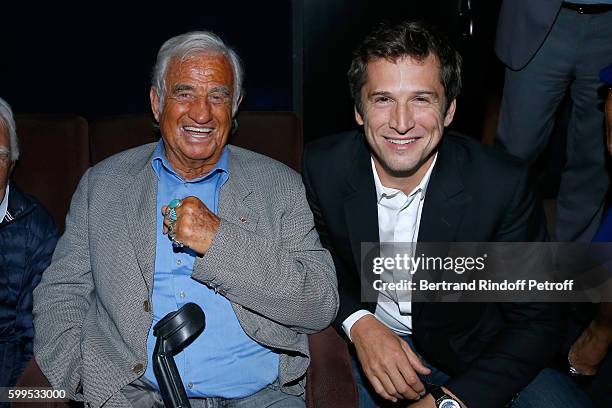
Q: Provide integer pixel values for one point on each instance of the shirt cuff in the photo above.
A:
(348, 323)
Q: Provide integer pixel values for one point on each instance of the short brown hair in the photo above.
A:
(407, 39)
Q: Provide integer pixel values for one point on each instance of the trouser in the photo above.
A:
(577, 48)
(143, 394)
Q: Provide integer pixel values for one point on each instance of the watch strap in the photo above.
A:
(439, 395)
(437, 392)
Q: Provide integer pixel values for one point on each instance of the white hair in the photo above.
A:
(8, 122)
(185, 45)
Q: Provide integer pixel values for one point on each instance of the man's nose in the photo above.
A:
(200, 110)
(402, 118)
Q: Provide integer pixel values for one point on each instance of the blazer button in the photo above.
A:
(147, 306)
(137, 368)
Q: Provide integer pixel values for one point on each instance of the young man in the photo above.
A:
(400, 179)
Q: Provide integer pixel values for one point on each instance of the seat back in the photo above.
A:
(274, 134)
(115, 134)
(54, 156)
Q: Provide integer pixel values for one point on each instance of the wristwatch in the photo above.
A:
(443, 400)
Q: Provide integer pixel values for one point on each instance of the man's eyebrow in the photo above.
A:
(380, 93)
(182, 87)
(223, 89)
(427, 92)
(418, 92)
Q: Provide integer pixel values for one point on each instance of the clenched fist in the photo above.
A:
(195, 225)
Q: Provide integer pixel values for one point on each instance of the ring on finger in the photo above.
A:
(175, 203)
(171, 215)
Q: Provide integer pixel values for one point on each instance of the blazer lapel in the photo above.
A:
(141, 215)
(445, 201)
(445, 204)
(235, 202)
(361, 214)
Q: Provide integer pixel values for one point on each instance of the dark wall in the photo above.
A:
(332, 29)
(95, 59)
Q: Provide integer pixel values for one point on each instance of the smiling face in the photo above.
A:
(403, 118)
(196, 117)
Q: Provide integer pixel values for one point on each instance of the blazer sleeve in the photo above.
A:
(348, 287)
(293, 284)
(62, 300)
(532, 333)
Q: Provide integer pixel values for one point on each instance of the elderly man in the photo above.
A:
(27, 238)
(241, 244)
(401, 179)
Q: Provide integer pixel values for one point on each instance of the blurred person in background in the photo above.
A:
(27, 239)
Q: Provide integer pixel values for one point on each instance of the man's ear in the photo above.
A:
(358, 117)
(154, 102)
(450, 113)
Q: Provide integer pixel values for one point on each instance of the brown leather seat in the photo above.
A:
(115, 134)
(32, 377)
(274, 134)
(54, 156)
(330, 381)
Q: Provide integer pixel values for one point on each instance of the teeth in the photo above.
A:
(402, 142)
(197, 129)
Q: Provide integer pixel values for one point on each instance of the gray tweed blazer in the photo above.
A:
(92, 309)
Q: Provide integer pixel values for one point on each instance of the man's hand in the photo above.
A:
(195, 225)
(589, 350)
(388, 361)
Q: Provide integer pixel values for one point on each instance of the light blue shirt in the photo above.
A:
(223, 361)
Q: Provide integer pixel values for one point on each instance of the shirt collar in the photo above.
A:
(388, 192)
(160, 163)
(4, 203)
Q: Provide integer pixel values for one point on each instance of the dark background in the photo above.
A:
(94, 59)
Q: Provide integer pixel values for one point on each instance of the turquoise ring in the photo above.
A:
(174, 203)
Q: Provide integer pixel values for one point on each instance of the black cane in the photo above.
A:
(174, 332)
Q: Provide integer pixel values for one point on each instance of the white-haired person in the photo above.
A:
(187, 219)
(27, 238)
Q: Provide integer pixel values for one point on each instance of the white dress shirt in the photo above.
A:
(399, 216)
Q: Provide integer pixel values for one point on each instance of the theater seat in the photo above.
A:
(330, 381)
(274, 134)
(32, 377)
(118, 133)
(54, 156)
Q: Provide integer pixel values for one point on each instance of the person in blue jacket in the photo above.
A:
(588, 353)
(27, 239)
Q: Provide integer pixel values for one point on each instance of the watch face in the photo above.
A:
(449, 403)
